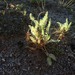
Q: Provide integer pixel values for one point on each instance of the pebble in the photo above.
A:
(3, 59)
(37, 67)
(18, 64)
(11, 55)
(5, 25)
(24, 69)
(28, 68)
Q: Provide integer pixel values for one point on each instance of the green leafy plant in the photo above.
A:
(38, 34)
(63, 28)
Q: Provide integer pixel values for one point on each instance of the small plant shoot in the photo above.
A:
(63, 28)
(38, 34)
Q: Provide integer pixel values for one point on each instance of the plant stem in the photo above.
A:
(6, 4)
(45, 51)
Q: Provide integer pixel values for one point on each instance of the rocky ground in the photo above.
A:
(16, 59)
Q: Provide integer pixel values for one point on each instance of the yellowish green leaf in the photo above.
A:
(52, 56)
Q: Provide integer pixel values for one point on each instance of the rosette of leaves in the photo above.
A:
(39, 34)
(63, 28)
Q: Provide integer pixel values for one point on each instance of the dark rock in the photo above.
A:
(73, 66)
(3, 60)
(20, 44)
(72, 47)
(72, 44)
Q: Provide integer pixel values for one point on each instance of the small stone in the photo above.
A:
(19, 64)
(24, 69)
(3, 59)
(28, 68)
(5, 25)
(36, 67)
(11, 55)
